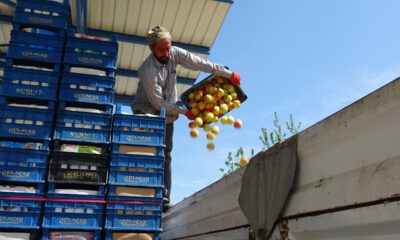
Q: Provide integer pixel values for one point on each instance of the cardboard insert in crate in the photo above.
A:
(87, 88)
(25, 122)
(139, 130)
(70, 234)
(73, 214)
(18, 213)
(116, 192)
(136, 171)
(21, 189)
(218, 88)
(78, 168)
(84, 149)
(75, 190)
(112, 235)
(23, 165)
(83, 127)
(28, 83)
(37, 47)
(43, 13)
(140, 216)
(83, 107)
(90, 51)
(17, 233)
(133, 150)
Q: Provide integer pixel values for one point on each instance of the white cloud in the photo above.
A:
(364, 81)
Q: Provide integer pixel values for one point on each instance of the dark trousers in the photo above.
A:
(169, 133)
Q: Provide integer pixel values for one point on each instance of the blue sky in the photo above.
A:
(310, 58)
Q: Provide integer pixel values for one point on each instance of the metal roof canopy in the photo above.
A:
(194, 26)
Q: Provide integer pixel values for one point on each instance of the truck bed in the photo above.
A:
(347, 185)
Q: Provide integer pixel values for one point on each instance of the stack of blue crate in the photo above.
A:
(78, 164)
(27, 104)
(135, 182)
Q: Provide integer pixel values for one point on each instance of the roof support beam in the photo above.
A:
(142, 41)
(5, 19)
(8, 3)
(225, 1)
(81, 15)
(135, 74)
(130, 38)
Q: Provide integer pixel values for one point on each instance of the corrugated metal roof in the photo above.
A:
(195, 22)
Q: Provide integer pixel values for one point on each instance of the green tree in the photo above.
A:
(267, 138)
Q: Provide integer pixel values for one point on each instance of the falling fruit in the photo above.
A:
(209, 102)
(244, 161)
(238, 123)
(224, 120)
(210, 136)
(206, 127)
(215, 129)
(192, 125)
(194, 133)
(210, 146)
(198, 121)
(231, 120)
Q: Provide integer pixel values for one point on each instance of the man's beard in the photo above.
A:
(163, 60)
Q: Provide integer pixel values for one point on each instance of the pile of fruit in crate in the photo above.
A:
(209, 102)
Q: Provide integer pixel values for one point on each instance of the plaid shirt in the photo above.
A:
(157, 82)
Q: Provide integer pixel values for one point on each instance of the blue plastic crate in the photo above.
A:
(139, 161)
(73, 215)
(138, 150)
(66, 167)
(139, 130)
(138, 121)
(136, 136)
(87, 88)
(23, 165)
(43, 13)
(23, 214)
(89, 52)
(37, 47)
(27, 123)
(111, 235)
(83, 127)
(137, 171)
(49, 234)
(140, 216)
(156, 193)
(27, 83)
(98, 189)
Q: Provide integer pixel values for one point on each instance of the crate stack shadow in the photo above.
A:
(135, 184)
(78, 163)
(27, 105)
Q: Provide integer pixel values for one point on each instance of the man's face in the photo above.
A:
(161, 50)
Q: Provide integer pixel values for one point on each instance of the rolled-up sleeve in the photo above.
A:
(196, 63)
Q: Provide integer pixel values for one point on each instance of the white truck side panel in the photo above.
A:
(349, 158)
(378, 222)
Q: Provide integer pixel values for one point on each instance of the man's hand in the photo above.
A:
(189, 115)
(235, 79)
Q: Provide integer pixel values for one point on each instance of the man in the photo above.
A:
(157, 87)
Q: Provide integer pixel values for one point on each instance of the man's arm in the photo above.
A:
(154, 93)
(193, 62)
